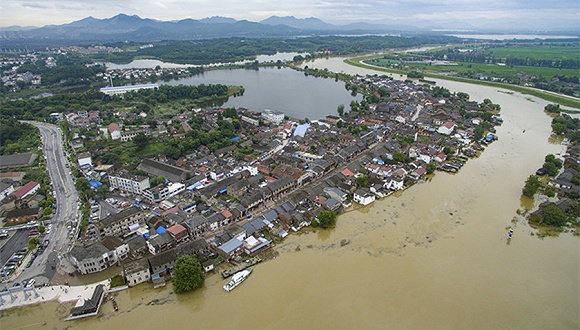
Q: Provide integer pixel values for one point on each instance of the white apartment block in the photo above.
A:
(157, 194)
(135, 184)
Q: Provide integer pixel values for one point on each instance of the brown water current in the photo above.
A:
(433, 257)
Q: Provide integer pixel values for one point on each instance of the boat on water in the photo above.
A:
(238, 278)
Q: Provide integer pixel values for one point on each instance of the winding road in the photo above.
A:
(66, 197)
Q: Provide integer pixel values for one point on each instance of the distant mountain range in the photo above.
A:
(124, 27)
(134, 28)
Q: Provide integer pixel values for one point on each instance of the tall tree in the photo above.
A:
(531, 186)
(326, 219)
(188, 274)
(141, 140)
(340, 110)
(554, 216)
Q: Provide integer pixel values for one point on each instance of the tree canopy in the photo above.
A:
(327, 219)
(531, 186)
(33, 243)
(188, 274)
(554, 216)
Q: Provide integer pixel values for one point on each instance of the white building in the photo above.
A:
(85, 159)
(5, 190)
(134, 184)
(124, 89)
(157, 194)
(114, 131)
(447, 128)
(136, 272)
(99, 256)
(363, 196)
(275, 117)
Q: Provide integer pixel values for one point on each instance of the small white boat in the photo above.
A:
(238, 278)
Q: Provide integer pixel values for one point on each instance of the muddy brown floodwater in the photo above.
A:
(433, 257)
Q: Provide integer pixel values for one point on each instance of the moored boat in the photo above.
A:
(238, 278)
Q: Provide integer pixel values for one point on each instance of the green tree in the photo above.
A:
(47, 211)
(103, 190)
(84, 188)
(41, 229)
(531, 186)
(554, 216)
(478, 132)
(552, 108)
(431, 167)
(156, 181)
(141, 140)
(326, 219)
(551, 169)
(362, 181)
(340, 110)
(188, 274)
(401, 157)
(550, 192)
(33, 243)
(463, 96)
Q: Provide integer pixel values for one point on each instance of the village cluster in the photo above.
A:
(226, 208)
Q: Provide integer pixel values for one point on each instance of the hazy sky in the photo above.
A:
(45, 12)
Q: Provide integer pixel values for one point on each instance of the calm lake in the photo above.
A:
(433, 257)
(281, 89)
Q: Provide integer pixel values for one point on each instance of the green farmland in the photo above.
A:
(463, 68)
(554, 53)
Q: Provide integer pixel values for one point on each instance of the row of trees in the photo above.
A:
(234, 49)
(487, 56)
(145, 100)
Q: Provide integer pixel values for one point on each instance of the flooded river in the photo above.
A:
(433, 257)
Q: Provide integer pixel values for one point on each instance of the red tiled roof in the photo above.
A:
(176, 229)
(24, 190)
(113, 127)
(346, 172)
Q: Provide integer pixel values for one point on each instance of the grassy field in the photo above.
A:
(539, 52)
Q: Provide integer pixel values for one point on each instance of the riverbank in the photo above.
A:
(546, 95)
(59, 293)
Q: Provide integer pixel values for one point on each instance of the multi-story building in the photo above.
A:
(134, 184)
(160, 193)
(99, 256)
(136, 272)
(275, 117)
(119, 224)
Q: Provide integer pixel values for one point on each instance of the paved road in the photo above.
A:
(65, 196)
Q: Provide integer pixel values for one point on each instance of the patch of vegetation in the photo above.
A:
(531, 186)
(17, 137)
(326, 219)
(188, 274)
(117, 281)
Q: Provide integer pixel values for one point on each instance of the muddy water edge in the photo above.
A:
(433, 257)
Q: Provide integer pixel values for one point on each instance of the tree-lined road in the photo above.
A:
(65, 196)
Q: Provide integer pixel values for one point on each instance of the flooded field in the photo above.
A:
(433, 257)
